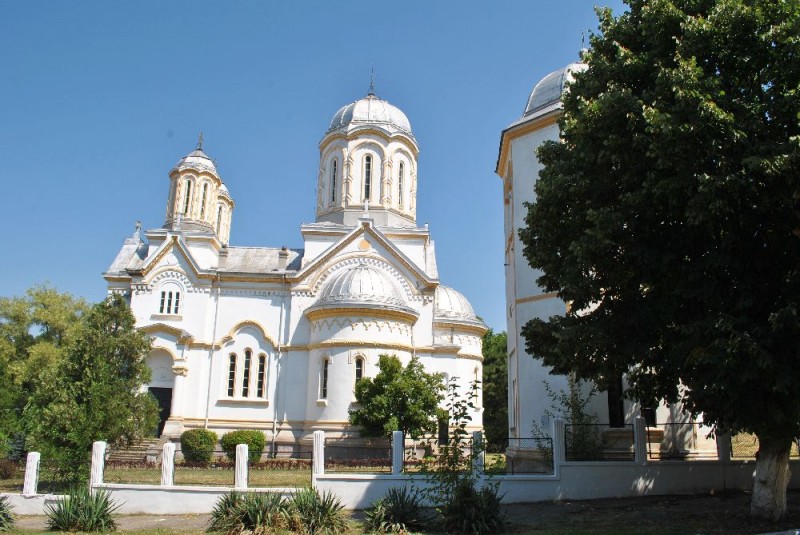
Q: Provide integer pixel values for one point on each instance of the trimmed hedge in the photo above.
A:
(255, 441)
(197, 445)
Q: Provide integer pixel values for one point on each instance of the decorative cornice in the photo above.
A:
(519, 130)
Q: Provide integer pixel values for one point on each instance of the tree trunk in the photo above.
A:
(771, 479)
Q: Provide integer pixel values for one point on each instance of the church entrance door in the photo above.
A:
(164, 398)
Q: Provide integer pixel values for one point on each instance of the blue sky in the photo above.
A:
(99, 100)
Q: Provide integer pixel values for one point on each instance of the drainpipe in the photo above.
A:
(211, 352)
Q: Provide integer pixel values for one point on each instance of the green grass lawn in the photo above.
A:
(220, 477)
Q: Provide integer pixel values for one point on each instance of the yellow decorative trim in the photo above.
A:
(520, 130)
(407, 317)
(169, 352)
(460, 327)
(242, 324)
(181, 336)
(356, 343)
(366, 131)
(533, 298)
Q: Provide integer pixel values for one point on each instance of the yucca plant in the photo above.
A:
(256, 513)
(473, 511)
(311, 513)
(81, 510)
(6, 515)
(400, 511)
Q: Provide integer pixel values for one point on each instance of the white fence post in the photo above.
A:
(318, 463)
(398, 451)
(98, 464)
(31, 474)
(559, 447)
(640, 440)
(242, 458)
(477, 452)
(168, 464)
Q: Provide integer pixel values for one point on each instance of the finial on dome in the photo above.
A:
(584, 50)
(371, 92)
(138, 232)
(199, 141)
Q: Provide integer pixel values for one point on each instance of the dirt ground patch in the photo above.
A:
(720, 514)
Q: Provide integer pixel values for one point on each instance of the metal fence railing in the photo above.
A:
(366, 455)
(519, 455)
(425, 454)
(680, 441)
(744, 446)
(598, 442)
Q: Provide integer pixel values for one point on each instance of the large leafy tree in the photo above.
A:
(399, 398)
(35, 329)
(94, 392)
(668, 215)
(495, 387)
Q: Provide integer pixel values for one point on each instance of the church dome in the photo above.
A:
(370, 110)
(223, 191)
(362, 286)
(452, 306)
(549, 89)
(197, 159)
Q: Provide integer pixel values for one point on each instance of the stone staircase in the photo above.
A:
(140, 451)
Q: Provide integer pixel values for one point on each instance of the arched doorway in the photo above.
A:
(161, 384)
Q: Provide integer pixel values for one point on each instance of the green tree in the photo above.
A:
(94, 393)
(668, 217)
(398, 398)
(495, 387)
(35, 329)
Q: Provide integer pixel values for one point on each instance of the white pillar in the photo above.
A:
(240, 476)
(98, 463)
(318, 464)
(559, 453)
(168, 465)
(398, 450)
(31, 474)
(477, 452)
(640, 440)
(724, 447)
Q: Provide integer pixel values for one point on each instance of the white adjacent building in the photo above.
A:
(275, 339)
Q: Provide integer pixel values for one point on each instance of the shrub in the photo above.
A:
(8, 468)
(311, 513)
(400, 511)
(254, 439)
(6, 516)
(473, 511)
(197, 445)
(82, 511)
(256, 513)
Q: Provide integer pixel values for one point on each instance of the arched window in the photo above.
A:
(400, 175)
(333, 181)
(170, 300)
(188, 200)
(203, 201)
(219, 219)
(367, 176)
(231, 374)
(248, 355)
(359, 368)
(323, 384)
(260, 383)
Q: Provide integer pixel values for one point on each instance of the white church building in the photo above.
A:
(273, 338)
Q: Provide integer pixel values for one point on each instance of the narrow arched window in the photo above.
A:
(260, 383)
(163, 307)
(248, 355)
(219, 219)
(333, 181)
(323, 385)
(367, 176)
(203, 201)
(359, 368)
(176, 302)
(231, 374)
(188, 200)
(400, 176)
(169, 302)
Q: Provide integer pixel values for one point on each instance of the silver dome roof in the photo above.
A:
(370, 110)
(549, 89)
(197, 159)
(362, 286)
(452, 306)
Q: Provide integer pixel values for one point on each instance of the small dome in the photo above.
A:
(549, 89)
(197, 159)
(361, 286)
(452, 306)
(223, 191)
(370, 110)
